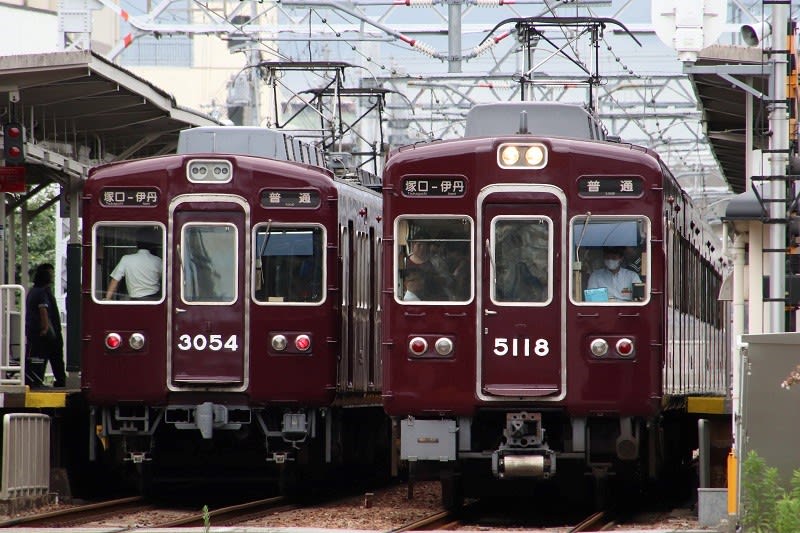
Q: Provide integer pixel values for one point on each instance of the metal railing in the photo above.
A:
(12, 335)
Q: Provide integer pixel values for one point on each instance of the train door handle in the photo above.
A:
(489, 312)
(179, 310)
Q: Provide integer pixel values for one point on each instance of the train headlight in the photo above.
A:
(625, 347)
(444, 346)
(209, 170)
(418, 346)
(136, 341)
(302, 343)
(509, 155)
(522, 155)
(113, 341)
(278, 343)
(599, 347)
(534, 155)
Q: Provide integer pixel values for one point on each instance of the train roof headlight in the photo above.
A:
(418, 346)
(136, 341)
(522, 155)
(444, 346)
(509, 155)
(113, 341)
(209, 171)
(625, 347)
(599, 347)
(278, 343)
(534, 155)
(302, 343)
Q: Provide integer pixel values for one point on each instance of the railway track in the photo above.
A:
(81, 514)
(233, 514)
(599, 521)
(435, 521)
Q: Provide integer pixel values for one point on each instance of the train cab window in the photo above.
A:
(520, 260)
(209, 262)
(609, 260)
(289, 264)
(128, 263)
(434, 260)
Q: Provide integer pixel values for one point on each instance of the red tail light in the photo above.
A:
(302, 343)
(418, 346)
(113, 340)
(625, 347)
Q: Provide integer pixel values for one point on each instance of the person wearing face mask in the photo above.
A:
(616, 279)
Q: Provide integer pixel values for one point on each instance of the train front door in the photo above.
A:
(521, 310)
(208, 295)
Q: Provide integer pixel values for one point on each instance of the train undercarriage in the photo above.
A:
(288, 449)
(512, 449)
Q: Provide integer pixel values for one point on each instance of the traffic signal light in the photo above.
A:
(13, 144)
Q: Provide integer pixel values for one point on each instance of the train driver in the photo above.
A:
(614, 277)
(141, 270)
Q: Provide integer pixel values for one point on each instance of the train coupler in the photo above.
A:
(280, 458)
(514, 464)
(138, 457)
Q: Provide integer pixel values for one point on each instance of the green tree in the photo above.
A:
(41, 234)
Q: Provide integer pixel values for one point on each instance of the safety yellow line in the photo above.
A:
(45, 399)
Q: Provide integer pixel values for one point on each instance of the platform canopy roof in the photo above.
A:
(722, 78)
(79, 109)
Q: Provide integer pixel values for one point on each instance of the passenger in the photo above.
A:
(420, 254)
(456, 261)
(430, 267)
(141, 270)
(413, 283)
(424, 285)
(43, 330)
(617, 280)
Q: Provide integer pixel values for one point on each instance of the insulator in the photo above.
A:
(425, 49)
(489, 43)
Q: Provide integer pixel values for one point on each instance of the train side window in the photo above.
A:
(128, 263)
(609, 259)
(289, 264)
(434, 260)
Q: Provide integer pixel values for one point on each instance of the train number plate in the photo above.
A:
(524, 347)
(215, 343)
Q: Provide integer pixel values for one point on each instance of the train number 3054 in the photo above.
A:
(212, 342)
(521, 347)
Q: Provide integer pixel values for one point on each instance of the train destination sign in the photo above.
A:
(289, 198)
(605, 186)
(129, 197)
(434, 186)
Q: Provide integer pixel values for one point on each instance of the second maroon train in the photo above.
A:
(299, 308)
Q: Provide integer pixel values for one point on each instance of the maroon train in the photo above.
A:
(503, 358)
(260, 349)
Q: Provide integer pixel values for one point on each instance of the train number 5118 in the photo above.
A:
(523, 347)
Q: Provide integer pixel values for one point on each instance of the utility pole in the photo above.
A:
(779, 151)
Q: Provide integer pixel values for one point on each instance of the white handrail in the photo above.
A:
(12, 309)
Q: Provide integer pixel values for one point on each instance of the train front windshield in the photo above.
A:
(434, 260)
(289, 264)
(609, 259)
(111, 242)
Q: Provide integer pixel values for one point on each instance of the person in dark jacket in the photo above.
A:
(43, 330)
